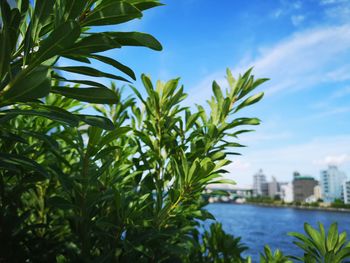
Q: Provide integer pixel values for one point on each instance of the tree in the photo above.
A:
(125, 185)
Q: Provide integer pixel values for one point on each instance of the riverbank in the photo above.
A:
(260, 225)
(330, 209)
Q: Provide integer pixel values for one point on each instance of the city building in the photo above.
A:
(303, 187)
(287, 192)
(318, 192)
(273, 188)
(260, 187)
(332, 181)
(316, 197)
(346, 192)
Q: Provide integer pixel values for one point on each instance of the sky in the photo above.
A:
(302, 46)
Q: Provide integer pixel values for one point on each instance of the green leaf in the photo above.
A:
(128, 71)
(98, 121)
(5, 13)
(143, 5)
(114, 135)
(315, 238)
(42, 11)
(26, 87)
(98, 42)
(92, 95)
(85, 82)
(11, 161)
(333, 237)
(217, 92)
(74, 8)
(61, 38)
(111, 13)
(50, 112)
(136, 39)
(90, 72)
(255, 84)
(249, 101)
(5, 53)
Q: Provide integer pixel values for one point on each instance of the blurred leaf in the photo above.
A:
(61, 38)
(128, 71)
(97, 121)
(90, 72)
(11, 161)
(136, 39)
(92, 95)
(111, 13)
(24, 87)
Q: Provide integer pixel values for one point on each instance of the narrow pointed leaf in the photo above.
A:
(11, 161)
(97, 121)
(249, 101)
(128, 71)
(136, 39)
(92, 95)
(98, 42)
(61, 38)
(111, 13)
(27, 86)
(91, 72)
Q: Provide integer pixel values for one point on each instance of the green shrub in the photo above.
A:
(321, 247)
(276, 257)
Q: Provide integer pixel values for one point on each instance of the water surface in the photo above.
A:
(258, 225)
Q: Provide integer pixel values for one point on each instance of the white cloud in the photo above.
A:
(308, 158)
(339, 159)
(304, 60)
(312, 58)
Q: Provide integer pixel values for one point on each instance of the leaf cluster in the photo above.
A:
(87, 193)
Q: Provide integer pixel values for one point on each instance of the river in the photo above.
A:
(258, 225)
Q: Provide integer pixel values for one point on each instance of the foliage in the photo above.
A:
(339, 204)
(276, 257)
(122, 186)
(217, 246)
(88, 194)
(34, 39)
(321, 247)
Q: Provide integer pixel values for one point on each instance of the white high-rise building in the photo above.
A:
(346, 192)
(287, 192)
(273, 188)
(259, 184)
(331, 181)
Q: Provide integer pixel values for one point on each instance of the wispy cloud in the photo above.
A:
(309, 157)
(301, 61)
(339, 159)
(286, 8)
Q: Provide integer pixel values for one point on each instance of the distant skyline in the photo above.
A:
(302, 46)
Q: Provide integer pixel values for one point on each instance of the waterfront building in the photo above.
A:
(303, 187)
(287, 192)
(318, 192)
(332, 181)
(316, 197)
(346, 192)
(259, 184)
(273, 188)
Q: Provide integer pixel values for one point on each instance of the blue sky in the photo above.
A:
(302, 46)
